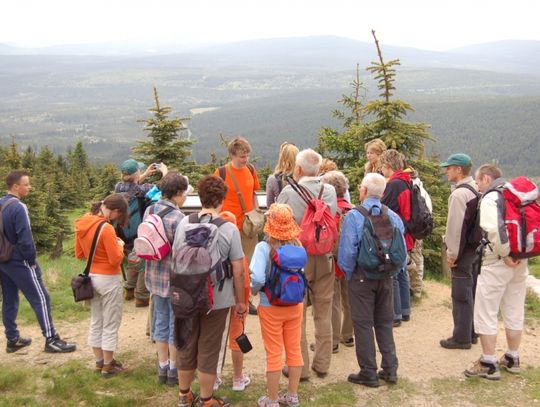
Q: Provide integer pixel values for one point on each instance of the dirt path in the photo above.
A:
(420, 356)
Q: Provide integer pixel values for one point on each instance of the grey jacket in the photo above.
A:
(289, 196)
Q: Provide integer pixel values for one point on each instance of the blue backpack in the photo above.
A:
(382, 251)
(286, 283)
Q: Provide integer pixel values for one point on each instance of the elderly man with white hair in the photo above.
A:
(319, 272)
(370, 296)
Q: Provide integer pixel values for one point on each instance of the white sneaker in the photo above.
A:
(241, 384)
(217, 383)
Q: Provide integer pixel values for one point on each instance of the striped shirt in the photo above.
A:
(157, 272)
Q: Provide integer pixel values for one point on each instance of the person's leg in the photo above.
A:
(10, 304)
(111, 300)
(415, 269)
(292, 330)
(463, 298)
(142, 295)
(186, 361)
(30, 282)
(396, 299)
(336, 314)
(346, 327)
(383, 315)
(161, 335)
(362, 300)
(131, 279)
(404, 293)
(323, 291)
(210, 346)
(513, 306)
(272, 322)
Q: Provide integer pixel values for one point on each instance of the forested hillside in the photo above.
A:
(286, 90)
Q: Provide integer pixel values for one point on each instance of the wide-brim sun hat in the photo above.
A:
(280, 223)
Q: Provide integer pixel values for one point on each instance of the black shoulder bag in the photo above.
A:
(82, 283)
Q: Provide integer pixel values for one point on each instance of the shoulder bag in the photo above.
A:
(82, 283)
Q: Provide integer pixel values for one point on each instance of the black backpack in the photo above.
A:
(137, 204)
(6, 247)
(420, 225)
(474, 231)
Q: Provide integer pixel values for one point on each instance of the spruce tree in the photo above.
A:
(168, 142)
(388, 114)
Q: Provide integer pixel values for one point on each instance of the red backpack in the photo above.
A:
(521, 216)
(319, 229)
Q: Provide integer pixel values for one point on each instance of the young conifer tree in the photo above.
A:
(167, 142)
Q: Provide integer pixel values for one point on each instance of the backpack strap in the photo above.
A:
(470, 188)
(238, 193)
(222, 172)
(6, 203)
(165, 211)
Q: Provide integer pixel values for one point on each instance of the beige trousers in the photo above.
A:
(320, 277)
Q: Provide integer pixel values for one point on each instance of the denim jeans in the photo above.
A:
(402, 294)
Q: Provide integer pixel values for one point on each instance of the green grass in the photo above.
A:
(534, 267)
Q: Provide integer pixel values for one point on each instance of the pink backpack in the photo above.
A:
(151, 242)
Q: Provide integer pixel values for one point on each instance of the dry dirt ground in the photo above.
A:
(420, 356)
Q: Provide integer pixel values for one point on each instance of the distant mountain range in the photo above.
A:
(316, 52)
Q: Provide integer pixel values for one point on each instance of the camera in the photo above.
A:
(156, 166)
(243, 343)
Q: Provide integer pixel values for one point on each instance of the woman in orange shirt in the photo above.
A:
(106, 306)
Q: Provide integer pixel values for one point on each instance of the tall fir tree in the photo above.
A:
(168, 140)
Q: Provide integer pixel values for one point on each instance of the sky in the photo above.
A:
(427, 24)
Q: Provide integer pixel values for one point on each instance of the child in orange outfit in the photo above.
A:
(236, 328)
(281, 326)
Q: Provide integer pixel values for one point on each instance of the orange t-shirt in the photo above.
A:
(247, 183)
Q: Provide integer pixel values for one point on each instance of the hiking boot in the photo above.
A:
(252, 309)
(242, 383)
(112, 369)
(215, 402)
(290, 400)
(99, 366)
(17, 343)
(510, 364)
(320, 375)
(406, 318)
(396, 323)
(285, 372)
(141, 303)
(474, 339)
(172, 377)
(450, 343)
(187, 400)
(265, 401)
(349, 343)
(387, 377)
(129, 294)
(56, 345)
(485, 370)
(361, 378)
(162, 374)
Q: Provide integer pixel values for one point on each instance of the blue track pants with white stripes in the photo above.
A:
(17, 275)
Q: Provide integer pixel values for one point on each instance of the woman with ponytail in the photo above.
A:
(106, 306)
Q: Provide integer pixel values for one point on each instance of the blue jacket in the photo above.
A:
(18, 231)
(351, 235)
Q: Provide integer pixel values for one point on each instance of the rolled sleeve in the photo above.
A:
(349, 242)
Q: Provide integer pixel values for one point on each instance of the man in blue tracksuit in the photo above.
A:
(21, 271)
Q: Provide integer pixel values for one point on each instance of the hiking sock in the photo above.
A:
(204, 400)
(99, 361)
(163, 365)
(172, 364)
(183, 392)
(513, 353)
(489, 359)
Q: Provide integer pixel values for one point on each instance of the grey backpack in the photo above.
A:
(198, 267)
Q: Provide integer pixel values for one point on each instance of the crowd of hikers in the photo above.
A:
(355, 266)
